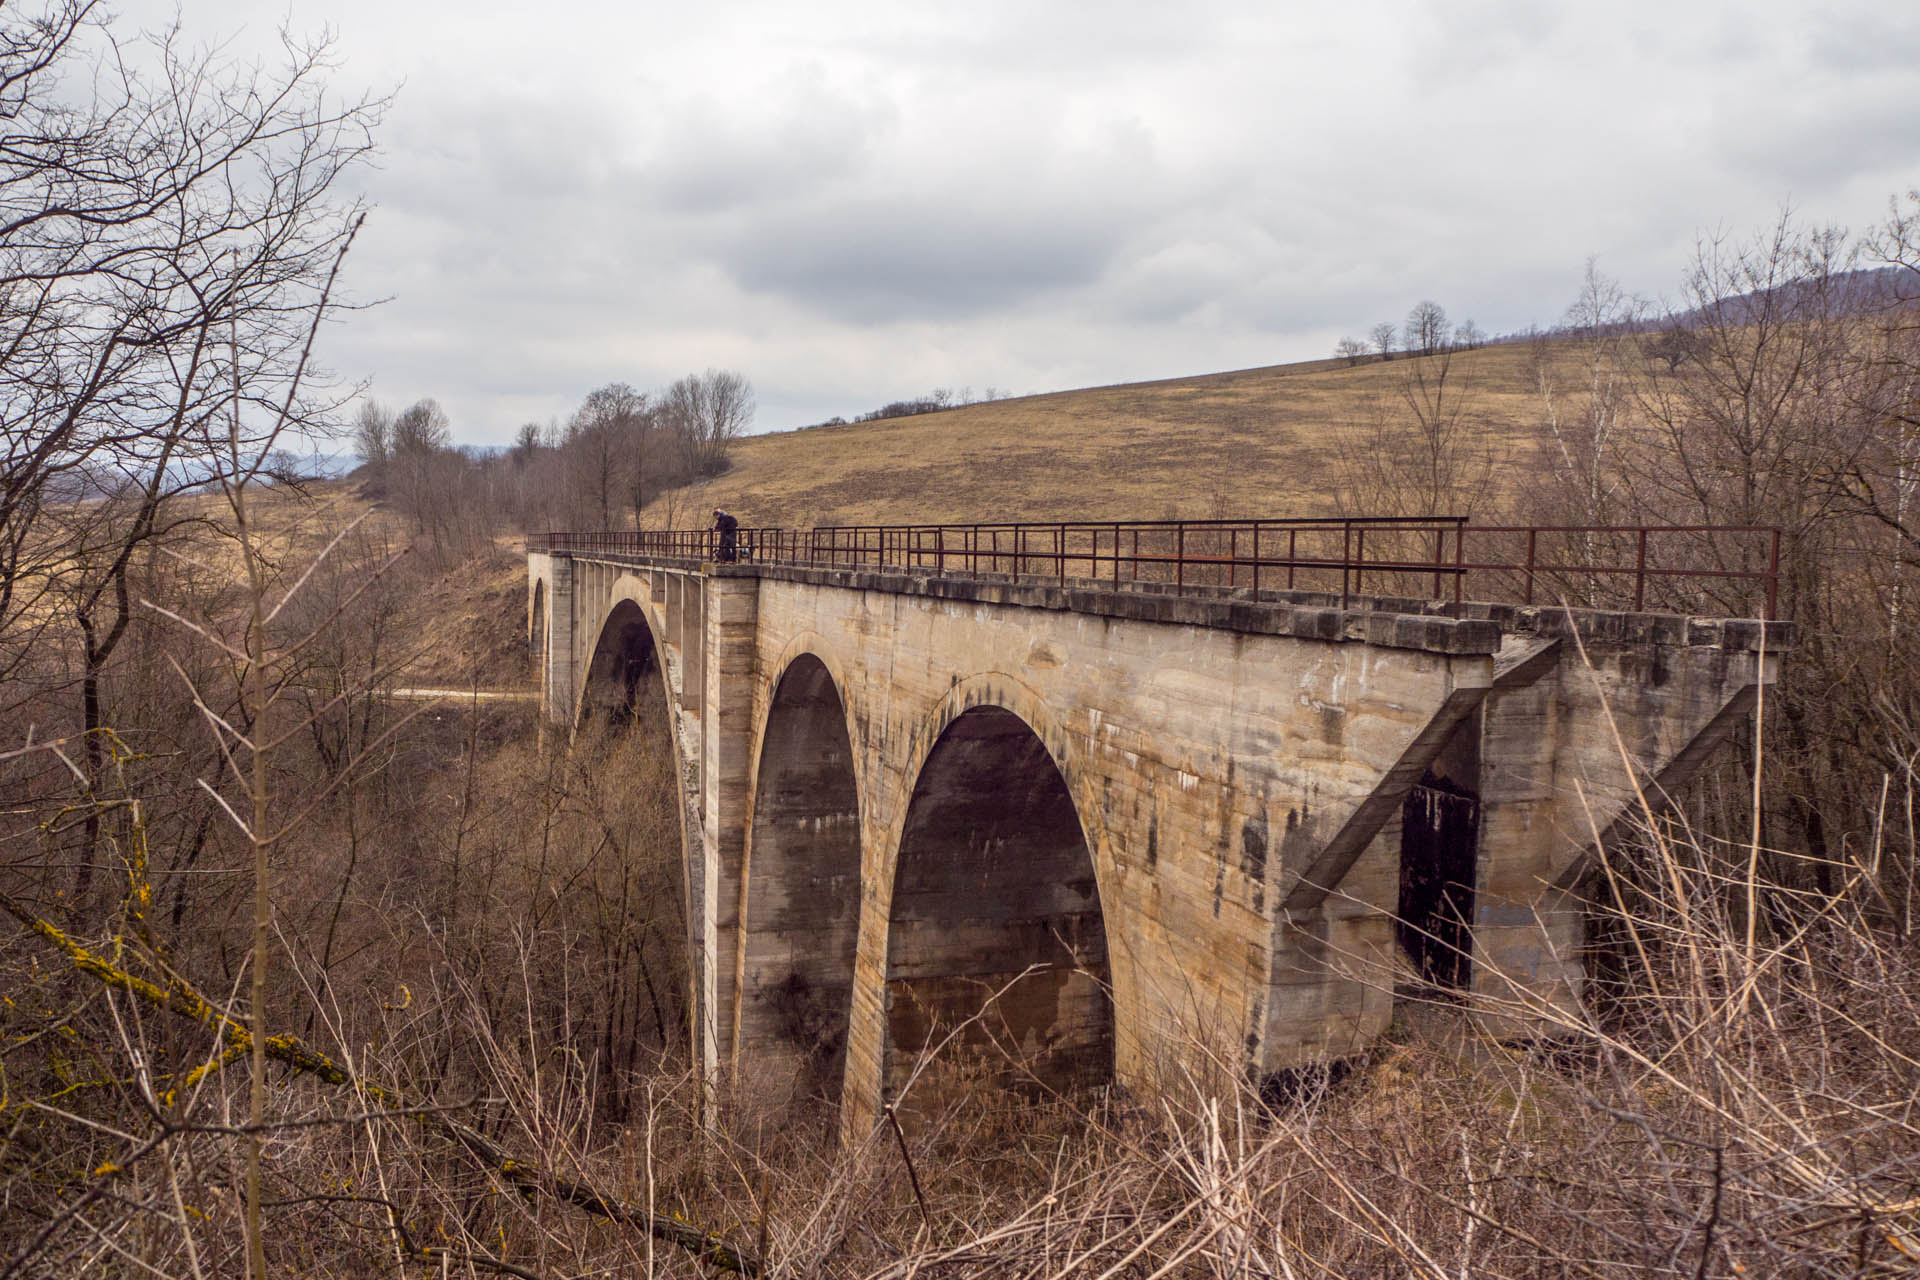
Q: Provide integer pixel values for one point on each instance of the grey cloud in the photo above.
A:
(1789, 144)
(804, 135)
(1014, 40)
(1475, 37)
(876, 260)
(1872, 37)
(949, 224)
(855, 201)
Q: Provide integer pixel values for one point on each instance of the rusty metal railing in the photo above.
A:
(1668, 568)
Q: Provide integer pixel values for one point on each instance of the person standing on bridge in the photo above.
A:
(728, 528)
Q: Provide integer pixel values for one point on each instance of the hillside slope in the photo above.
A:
(1245, 443)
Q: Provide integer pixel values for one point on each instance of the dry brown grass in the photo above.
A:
(469, 623)
(1242, 443)
(1724, 1110)
(461, 619)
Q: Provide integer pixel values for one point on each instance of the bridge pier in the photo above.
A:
(720, 618)
(552, 617)
(1573, 759)
(1177, 834)
(801, 928)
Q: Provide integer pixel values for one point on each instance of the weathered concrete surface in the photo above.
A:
(1178, 817)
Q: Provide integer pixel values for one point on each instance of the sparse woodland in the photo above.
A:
(301, 974)
(621, 460)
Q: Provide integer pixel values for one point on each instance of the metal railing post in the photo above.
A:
(1359, 560)
(1459, 559)
(1640, 574)
(1773, 579)
(1346, 561)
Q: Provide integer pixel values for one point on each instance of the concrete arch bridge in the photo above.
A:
(1186, 796)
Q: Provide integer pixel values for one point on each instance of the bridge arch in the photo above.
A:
(999, 861)
(626, 660)
(799, 888)
(623, 681)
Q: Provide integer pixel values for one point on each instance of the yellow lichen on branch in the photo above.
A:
(291, 1051)
(226, 1059)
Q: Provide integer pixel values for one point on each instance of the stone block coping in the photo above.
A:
(1394, 622)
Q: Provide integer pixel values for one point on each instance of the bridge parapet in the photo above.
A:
(1692, 569)
(1292, 801)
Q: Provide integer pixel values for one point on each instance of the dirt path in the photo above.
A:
(470, 695)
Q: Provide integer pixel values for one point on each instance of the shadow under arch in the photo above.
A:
(995, 891)
(629, 777)
(802, 892)
(625, 678)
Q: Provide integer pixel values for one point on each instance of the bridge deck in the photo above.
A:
(1393, 621)
(1720, 570)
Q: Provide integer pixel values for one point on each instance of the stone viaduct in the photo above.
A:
(1145, 832)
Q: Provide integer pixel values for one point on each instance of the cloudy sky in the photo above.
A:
(857, 201)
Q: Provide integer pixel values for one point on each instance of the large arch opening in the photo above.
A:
(803, 891)
(625, 682)
(996, 913)
(625, 812)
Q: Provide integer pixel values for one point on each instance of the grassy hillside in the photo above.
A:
(1249, 442)
(445, 620)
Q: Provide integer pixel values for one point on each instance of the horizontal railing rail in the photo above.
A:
(1727, 569)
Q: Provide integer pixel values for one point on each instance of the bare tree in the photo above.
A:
(1426, 331)
(1352, 350)
(707, 412)
(1896, 244)
(157, 245)
(373, 435)
(1383, 335)
(617, 457)
(165, 246)
(1585, 391)
(1745, 429)
(1416, 451)
(1672, 345)
(421, 437)
(422, 428)
(1787, 411)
